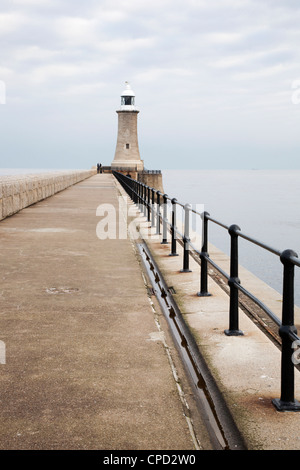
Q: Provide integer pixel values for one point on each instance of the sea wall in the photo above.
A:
(154, 180)
(20, 191)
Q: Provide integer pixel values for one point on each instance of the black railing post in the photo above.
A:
(186, 240)
(136, 192)
(203, 256)
(131, 189)
(141, 197)
(164, 221)
(233, 280)
(144, 200)
(148, 204)
(173, 229)
(138, 195)
(287, 400)
(153, 208)
(158, 213)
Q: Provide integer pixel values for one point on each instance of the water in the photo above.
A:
(265, 204)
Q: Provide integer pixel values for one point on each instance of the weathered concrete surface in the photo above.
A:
(20, 191)
(246, 368)
(85, 366)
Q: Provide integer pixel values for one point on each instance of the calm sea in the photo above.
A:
(265, 204)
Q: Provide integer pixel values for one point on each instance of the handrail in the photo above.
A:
(149, 200)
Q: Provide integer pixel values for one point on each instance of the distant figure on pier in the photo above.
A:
(98, 168)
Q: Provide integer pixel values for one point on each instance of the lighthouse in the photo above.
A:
(127, 154)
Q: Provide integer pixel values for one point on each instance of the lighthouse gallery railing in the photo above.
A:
(154, 204)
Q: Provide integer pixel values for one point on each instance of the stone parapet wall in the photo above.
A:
(20, 191)
(154, 180)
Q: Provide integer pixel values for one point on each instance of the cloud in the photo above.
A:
(35, 53)
(155, 74)
(59, 71)
(10, 22)
(221, 38)
(91, 89)
(121, 46)
(74, 31)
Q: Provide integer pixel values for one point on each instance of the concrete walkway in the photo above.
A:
(85, 364)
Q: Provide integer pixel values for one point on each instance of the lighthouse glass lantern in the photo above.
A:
(128, 98)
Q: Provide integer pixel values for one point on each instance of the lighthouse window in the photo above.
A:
(127, 146)
(127, 100)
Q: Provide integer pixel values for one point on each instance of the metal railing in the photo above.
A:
(128, 169)
(154, 206)
(150, 172)
(121, 168)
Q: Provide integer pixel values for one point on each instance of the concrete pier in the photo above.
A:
(88, 361)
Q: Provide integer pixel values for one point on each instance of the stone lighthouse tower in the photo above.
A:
(127, 154)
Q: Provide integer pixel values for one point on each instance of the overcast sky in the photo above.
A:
(217, 82)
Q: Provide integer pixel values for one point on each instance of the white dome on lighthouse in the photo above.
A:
(128, 91)
(128, 99)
